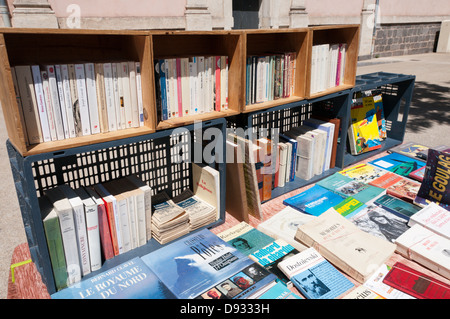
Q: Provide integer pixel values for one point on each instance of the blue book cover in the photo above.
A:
(279, 291)
(130, 280)
(398, 163)
(195, 263)
(314, 276)
(294, 155)
(314, 201)
(162, 79)
(346, 186)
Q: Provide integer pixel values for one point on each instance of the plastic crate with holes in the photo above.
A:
(396, 91)
(162, 160)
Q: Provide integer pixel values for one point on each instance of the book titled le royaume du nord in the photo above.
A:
(130, 280)
(199, 262)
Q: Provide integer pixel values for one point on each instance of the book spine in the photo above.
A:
(68, 100)
(125, 80)
(132, 221)
(82, 99)
(168, 88)
(133, 94)
(178, 83)
(30, 106)
(48, 105)
(93, 235)
(141, 218)
(80, 224)
(19, 104)
(101, 99)
(185, 88)
(201, 86)
(91, 90)
(62, 103)
(56, 107)
(338, 66)
(56, 251)
(122, 214)
(121, 98)
(116, 93)
(140, 102)
(162, 85)
(218, 104)
(193, 84)
(105, 232)
(75, 103)
(109, 96)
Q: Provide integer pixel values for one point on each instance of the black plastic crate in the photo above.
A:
(397, 92)
(161, 159)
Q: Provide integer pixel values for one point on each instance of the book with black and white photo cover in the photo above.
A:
(314, 276)
(426, 248)
(433, 217)
(341, 242)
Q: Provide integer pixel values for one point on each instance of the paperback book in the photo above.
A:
(398, 163)
(397, 206)
(314, 276)
(376, 284)
(364, 173)
(433, 217)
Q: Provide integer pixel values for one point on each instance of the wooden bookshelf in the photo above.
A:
(174, 44)
(348, 34)
(276, 41)
(58, 46)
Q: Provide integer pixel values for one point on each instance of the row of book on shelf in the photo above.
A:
(191, 85)
(316, 248)
(85, 226)
(269, 77)
(327, 66)
(61, 101)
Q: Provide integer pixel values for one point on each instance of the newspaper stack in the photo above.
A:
(169, 221)
(200, 212)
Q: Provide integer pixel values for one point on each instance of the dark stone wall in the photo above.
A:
(405, 39)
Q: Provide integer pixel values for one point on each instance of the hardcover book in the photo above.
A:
(195, 264)
(132, 279)
(342, 243)
(416, 283)
(314, 201)
(314, 276)
(398, 163)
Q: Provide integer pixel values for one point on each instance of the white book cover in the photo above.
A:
(82, 99)
(376, 284)
(30, 106)
(343, 50)
(193, 76)
(118, 94)
(283, 163)
(147, 191)
(125, 81)
(433, 217)
(125, 230)
(288, 161)
(260, 80)
(173, 87)
(91, 89)
(74, 99)
(62, 102)
(92, 228)
(68, 232)
(80, 227)
(334, 48)
(329, 129)
(109, 96)
(133, 94)
(140, 210)
(68, 99)
(48, 105)
(139, 93)
(201, 81)
(314, 68)
(211, 83)
(284, 224)
(53, 91)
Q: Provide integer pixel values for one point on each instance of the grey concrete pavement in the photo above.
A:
(428, 123)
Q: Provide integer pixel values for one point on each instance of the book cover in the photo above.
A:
(327, 127)
(364, 173)
(133, 94)
(411, 149)
(379, 222)
(418, 174)
(278, 292)
(74, 99)
(272, 252)
(426, 248)
(435, 184)
(48, 104)
(314, 201)
(405, 189)
(314, 276)
(398, 163)
(342, 243)
(206, 185)
(62, 102)
(376, 284)
(245, 238)
(132, 279)
(416, 283)
(364, 135)
(397, 206)
(109, 97)
(82, 99)
(433, 217)
(284, 224)
(199, 261)
(101, 98)
(53, 95)
(345, 186)
(118, 95)
(379, 110)
(361, 293)
(91, 89)
(292, 156)
(349, 207)
(386, 180)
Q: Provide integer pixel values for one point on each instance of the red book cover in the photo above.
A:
(404, 189)
(386, 180)
(105, 234)
(180, 96)
(416, 283)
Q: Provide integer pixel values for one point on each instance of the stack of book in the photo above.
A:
(64, 101)
(191, 85)
(327, 66)
(269, 77)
